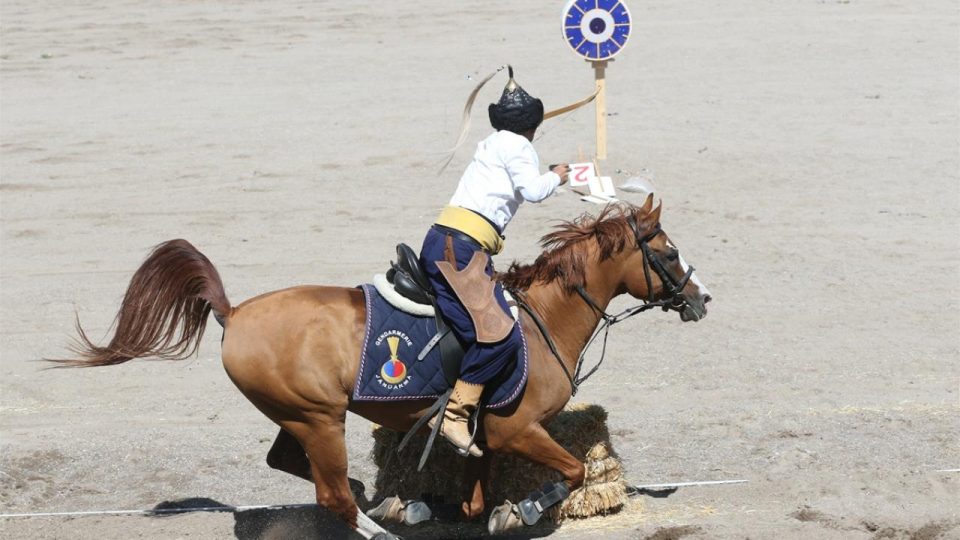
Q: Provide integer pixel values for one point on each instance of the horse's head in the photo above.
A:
(625, 248)
(654, 270)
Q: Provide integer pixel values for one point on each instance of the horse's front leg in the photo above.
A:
(411, 512)
(536, 445)
(475, 478)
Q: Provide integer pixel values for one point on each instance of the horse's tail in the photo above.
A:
(164, 311)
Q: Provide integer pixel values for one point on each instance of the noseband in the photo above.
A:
(673, 300)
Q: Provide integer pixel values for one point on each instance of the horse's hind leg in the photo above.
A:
(322, 438)
(288, 456)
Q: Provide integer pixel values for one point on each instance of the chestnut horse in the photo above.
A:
(294, 353)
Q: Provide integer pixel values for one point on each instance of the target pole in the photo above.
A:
(597, 31)
(600, 78)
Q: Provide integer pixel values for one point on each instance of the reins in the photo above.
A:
(675, 300)
(608, 320)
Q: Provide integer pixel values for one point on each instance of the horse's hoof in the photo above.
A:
(504, 518)
(396, 510)
(391, 509)
(416, 512)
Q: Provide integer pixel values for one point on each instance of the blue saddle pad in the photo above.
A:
(389, 369)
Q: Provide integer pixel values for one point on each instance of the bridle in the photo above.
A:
(674, 301)
(673, 287)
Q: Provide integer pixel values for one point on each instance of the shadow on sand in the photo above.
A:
(315, 523)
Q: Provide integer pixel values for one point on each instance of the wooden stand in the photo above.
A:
(600, 77)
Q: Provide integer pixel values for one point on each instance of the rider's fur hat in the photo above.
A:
(517, 111)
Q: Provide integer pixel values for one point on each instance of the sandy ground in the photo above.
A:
(807, 154)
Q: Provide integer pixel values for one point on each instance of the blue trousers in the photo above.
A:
(483, 361)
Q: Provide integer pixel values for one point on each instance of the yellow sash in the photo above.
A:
(472, 225)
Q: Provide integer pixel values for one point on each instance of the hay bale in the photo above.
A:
(580, 428)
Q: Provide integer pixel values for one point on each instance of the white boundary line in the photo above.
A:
(163, 510)
(683, 484)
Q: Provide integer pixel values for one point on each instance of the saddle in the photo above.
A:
(408, 277)
(410, 281)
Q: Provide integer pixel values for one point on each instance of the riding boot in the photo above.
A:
(456, 418)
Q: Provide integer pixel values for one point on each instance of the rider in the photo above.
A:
(504, 173)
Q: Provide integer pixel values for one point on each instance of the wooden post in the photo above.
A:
(600, 76)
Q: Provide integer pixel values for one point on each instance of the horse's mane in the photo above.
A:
(563, 258)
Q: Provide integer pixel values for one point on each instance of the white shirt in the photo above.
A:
(505, 171)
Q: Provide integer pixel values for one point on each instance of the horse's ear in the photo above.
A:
(655, 214)
(647, 204)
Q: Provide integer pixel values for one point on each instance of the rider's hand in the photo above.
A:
(563, 170)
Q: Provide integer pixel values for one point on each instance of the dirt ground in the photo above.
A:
(806, 153)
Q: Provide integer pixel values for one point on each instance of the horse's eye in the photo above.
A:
(673, 255)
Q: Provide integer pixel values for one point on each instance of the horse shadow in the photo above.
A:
(316, 523)
(306, 522)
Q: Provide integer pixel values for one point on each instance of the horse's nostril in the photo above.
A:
(707, 298)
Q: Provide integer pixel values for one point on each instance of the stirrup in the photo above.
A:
(464, 452)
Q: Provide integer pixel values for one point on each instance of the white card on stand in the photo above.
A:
(581, 173)
(607, 184)
(602, 187)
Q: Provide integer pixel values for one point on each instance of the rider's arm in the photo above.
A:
(523, 166)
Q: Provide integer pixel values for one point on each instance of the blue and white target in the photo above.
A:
(596, 29)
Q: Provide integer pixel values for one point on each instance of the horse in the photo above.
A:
(294, 352)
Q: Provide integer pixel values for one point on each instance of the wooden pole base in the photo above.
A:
(600, 78)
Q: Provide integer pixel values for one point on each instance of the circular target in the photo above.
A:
(596, 29)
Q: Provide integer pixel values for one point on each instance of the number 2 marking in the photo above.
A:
(581, 171)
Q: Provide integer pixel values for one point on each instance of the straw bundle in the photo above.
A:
(581, 429)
